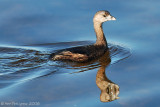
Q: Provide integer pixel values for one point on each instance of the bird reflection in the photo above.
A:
(109, 90)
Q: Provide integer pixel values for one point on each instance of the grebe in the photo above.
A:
(89, 52)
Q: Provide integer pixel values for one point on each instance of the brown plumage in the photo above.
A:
(89, 52)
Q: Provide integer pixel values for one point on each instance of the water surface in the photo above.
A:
(31, 30)
(21, 64)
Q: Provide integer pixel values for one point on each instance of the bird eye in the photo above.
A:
(104, 15)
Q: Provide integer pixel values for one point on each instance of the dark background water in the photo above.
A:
(40, 22)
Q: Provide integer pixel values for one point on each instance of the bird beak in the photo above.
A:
(111, 18)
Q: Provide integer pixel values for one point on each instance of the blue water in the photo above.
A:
(31, 30)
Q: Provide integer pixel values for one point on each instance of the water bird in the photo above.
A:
(88, 52)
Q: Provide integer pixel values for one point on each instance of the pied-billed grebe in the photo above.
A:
(89, 52)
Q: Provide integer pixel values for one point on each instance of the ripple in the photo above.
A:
(22, 63)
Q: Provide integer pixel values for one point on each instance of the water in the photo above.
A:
(22, 63)
(127, 76)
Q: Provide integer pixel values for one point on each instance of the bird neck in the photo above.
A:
(101, 40)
